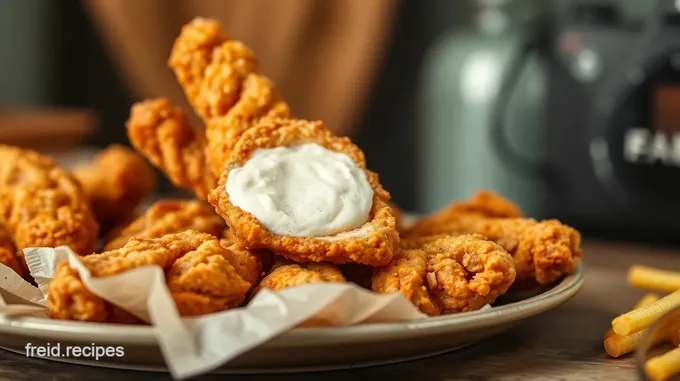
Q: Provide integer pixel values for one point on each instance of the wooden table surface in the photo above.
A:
(564, 344)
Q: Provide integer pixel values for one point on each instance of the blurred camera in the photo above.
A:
(613, 120)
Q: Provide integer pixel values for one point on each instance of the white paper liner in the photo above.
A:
(192, 346)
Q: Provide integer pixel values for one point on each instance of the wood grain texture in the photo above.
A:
(562, 345)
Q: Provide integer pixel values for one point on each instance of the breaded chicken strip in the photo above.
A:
(449, 275)
(287, 275)
(483, 203)
(221, 81)
(227, 237)
(371, 244)
(115, 182)
(208, 280)
(8, 252)
(543, 251)
(161, 132)
(42, 204)
(170, 216)
(202, 275)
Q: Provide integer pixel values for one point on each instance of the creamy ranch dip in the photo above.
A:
(302, 191)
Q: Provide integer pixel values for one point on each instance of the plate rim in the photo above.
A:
(38, 327)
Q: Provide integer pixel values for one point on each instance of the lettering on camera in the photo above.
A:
(642, 146)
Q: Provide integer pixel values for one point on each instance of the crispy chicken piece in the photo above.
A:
(407, 274)
(228, 238)
(543, 251)
(42, 204)
(161, 132)
(201, 275)
(483, 203)
(449, 275)
(371, 244)
(170, 216)
(8, 252)
(221, 81)
(115, 182)
(287, 275)
(208, 280)
(252, 264)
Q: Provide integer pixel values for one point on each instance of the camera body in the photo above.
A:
(613, 121)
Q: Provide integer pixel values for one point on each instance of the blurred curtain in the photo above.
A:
(322, 54)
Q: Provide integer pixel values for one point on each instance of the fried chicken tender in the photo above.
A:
(221, 81)
(8, 252)
(287, 275)
(208, 280)
(449, 275)
(543, 251)
(170, 216)
(483, 203)
(227, 237)
(203, 277)
(161, 132)
(42, 204)
(115, 182)
(372, 244)
(252, 264)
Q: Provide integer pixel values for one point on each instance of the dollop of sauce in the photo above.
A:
(302, 191)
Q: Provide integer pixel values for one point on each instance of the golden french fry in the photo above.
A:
(654, 279)
(617, 346)
(641, 318)
(644, 301)
(662, 367)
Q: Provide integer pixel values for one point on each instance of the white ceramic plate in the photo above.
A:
(304, 349)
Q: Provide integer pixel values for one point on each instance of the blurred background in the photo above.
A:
(569, 107)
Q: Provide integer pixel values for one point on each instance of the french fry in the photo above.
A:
(653, 279)
(617, 346)
(641, 318)
(662, 367)
(644, 301)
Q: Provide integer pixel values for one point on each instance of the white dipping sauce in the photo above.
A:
(302, 191)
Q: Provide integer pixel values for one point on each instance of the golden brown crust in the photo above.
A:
(42, 204)
(406, 274)
(170, 216)
(484, 203)
(372, 244)
(8, 253)
(192, 53)
(288, 275)
(449, 275)
(470, 272)
(543, 251)
(206, 281)
(219, 77)
(227, 238)
(161, 132)
(199, 271)
(115, 182)
(250, 264)
(258, 101)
